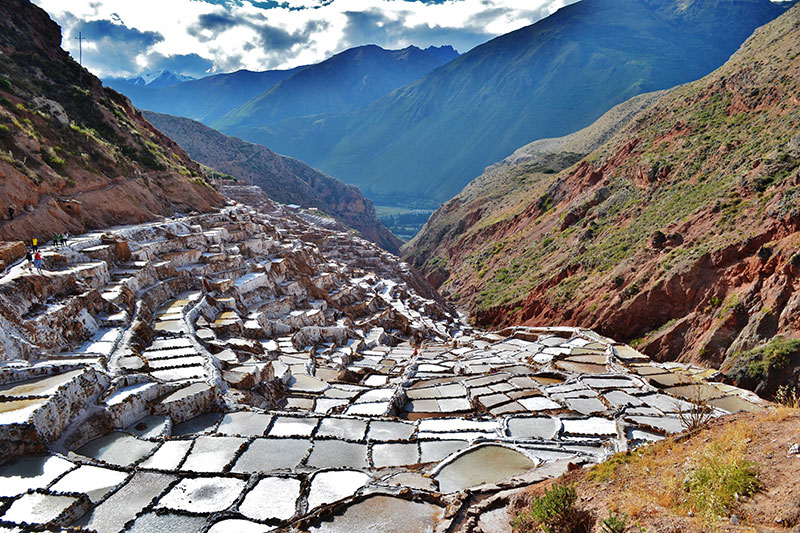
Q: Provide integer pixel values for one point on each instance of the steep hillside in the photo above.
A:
(735, 474)
(206, 99)
(420, 145)
(348, 80)
(284, 179)
(681, 233)
(74, 155)
(505, 189)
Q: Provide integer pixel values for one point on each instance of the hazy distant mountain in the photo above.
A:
(421, 144)
(284, 179)
(154, 80)
(346, 81)
(205, 99)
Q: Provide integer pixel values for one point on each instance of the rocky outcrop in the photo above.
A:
(75, 154)
(679, 233)
(282, 178)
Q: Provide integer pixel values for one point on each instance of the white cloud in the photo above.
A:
(235, 34)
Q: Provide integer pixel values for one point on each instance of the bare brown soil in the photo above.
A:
(649, 488)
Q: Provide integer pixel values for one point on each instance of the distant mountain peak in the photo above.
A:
(158, 78)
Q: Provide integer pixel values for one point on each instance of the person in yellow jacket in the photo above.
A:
(35, 243)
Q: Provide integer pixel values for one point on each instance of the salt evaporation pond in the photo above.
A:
(485, 464)
(384, 514)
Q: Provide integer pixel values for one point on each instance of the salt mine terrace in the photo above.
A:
(247, 370)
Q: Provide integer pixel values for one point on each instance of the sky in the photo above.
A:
(125, 38)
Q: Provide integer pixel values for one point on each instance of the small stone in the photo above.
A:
(794, 449)
(735, 520)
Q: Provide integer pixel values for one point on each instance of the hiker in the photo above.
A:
(35, 243)
(11, 212)
(64, 238)
(37, 262)
(28, 259)
(55, 240)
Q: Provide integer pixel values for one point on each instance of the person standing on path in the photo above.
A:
(37, 262)
(35, 243)
(28, 259)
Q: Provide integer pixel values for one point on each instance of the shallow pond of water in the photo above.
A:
(485, 464)
(383, 514)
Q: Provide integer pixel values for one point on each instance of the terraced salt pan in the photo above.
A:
(380, 430)
(368, 409)
(337, 454)
(239, 526)
(122, 506)
(267, 455)
(244, 423)
(159, 523)
(273, 498)
(39, 386)
(484, 464)
(93, 481)
(304, 383)
(203, 495)
(150, 427)
(117, 448)
(539, 428)
(330, 486)
(343, 428)
(38, 508)
(436, 450)
(123, 393)
(206, 422)
(384, 514)
(19, 411)
(212, 454)
(32, 472)
(394, 454)
(589, 426)
(284, 426)
(169, 456)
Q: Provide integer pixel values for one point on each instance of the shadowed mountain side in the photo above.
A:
(419, 145)
(284, 179)
(680, 234)
(348, 80)
(73, 154)
(206, 99)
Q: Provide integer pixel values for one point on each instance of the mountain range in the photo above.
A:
(345, 81)
(205, 99)
(152, 80)
(283, 179)
(420, 144)
(677, 232)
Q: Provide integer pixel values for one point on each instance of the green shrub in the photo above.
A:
(6, 85)
(553, 512)
(718, 482)
(49, 157)
(775, 355)
(614, 523)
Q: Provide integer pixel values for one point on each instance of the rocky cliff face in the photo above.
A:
(73, 154)
(284, 179)
(680, 233)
